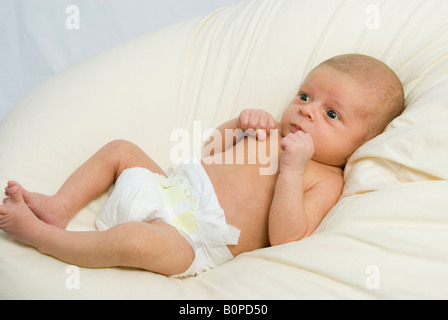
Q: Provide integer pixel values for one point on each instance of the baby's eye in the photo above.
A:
(333, 115)
(304, 97)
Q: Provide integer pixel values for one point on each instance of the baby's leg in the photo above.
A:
(92, 179)
(155, 247)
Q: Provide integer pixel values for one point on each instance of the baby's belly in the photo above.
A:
(245, 186)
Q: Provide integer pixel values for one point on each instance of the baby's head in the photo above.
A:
(343, 103)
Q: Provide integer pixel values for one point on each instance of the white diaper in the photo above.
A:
(185, 200)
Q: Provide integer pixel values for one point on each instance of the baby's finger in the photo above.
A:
(261, 134)
(272, 124)
(287, 142)
(244, 119)
(305, 137)
(263, 121)
(254, 120)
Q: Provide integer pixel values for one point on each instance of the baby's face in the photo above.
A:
(331, 106)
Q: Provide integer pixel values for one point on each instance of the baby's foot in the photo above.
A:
(46, 208)
(18, 220)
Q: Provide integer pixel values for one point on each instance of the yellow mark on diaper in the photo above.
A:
(177, 197)
(173, 195)
(185, 222)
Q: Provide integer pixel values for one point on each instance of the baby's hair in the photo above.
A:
(381, 79)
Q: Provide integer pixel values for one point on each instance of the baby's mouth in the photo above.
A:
(295, 128)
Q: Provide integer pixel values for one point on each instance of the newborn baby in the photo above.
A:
(208, 211)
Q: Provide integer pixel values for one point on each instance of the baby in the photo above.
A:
(206, 212)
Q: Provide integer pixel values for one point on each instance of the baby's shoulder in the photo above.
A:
(318, 173)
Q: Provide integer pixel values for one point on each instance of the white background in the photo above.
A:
(35, 42)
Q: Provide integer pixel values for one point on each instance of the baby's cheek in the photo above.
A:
(330, 154)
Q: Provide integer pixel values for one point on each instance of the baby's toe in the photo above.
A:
(15, 194)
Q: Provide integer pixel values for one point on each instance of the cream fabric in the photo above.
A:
(386, 238)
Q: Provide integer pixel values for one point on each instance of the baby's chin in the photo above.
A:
(332, 161)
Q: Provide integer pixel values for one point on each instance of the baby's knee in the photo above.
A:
(120, 145)
(126, 154)
(122, 149)
(118, 153)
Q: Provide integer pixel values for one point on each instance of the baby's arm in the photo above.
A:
(295, 212)
(232, 131)
(221, 138)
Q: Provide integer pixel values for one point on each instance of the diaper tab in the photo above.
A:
(179, 202)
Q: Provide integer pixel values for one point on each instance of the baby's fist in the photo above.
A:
(298, 150)
(260, 121)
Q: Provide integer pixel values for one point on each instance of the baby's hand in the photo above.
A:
(260, 121)
(298, 150)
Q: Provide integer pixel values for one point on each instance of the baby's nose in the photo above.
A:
(311, 111)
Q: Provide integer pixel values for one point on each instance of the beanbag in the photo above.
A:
(385, 239)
